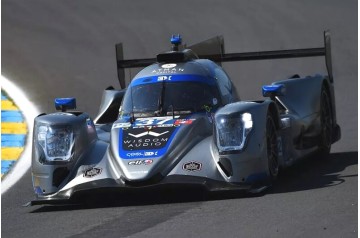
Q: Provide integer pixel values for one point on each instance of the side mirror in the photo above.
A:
(273, 90)
(64, 104)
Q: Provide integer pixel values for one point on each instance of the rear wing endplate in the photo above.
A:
(222, 57)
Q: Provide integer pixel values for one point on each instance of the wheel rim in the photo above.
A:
(272, 152)
(326, 122)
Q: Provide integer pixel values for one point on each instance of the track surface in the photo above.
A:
(66, 48)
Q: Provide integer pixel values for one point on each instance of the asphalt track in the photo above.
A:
(66, 48)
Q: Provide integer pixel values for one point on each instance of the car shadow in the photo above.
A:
(309, 173)
(313, 173)
(131, 198)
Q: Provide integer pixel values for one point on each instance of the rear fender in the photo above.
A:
(302, 95)
(302, 98)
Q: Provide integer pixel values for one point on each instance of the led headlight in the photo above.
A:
(232, 132)
(57, 142)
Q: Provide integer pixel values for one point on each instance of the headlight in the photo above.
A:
(57, 142)
(232, 132)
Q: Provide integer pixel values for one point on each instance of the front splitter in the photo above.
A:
(75, 194)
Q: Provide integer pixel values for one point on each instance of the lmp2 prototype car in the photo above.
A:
(179, 122)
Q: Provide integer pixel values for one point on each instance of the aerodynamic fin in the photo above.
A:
(213, 49)
(120, 70)
(281, 54)
(210, 47)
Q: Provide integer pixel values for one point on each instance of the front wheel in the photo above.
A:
(272, 148)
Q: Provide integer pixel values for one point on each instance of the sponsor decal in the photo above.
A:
(151, 133)
(168, 66)
(150, 123)
(163, 78)
(141, 162)
(149, 137)
(150, 153)
(145, 143)
(167, 70)
(142, 154)
(183, 121)
(138, 139)
(121, 125)
(177, 74)
(147, 128)
(92, 172)
(192, 166)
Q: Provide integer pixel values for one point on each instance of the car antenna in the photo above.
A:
(132, 118)
(161, 99)
(172, 110)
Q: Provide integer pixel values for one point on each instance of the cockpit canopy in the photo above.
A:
(166, 97)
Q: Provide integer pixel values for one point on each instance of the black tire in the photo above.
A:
(326, 124)
(272, 148)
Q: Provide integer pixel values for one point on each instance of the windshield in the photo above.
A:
(170, 96)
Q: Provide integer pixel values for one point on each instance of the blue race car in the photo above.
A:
(179, 122)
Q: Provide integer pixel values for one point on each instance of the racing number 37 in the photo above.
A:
(152, 121)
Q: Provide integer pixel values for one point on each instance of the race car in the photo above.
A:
(179, 122)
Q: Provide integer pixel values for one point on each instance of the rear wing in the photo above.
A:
(206, 49)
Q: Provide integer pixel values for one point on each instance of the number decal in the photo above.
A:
(154, 121)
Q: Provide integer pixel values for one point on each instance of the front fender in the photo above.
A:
(251, 161)
(258, 110)
(49, 175)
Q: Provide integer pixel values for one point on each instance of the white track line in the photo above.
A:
(30, 112)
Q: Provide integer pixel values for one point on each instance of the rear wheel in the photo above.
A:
(326, 124)
(272, 149)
